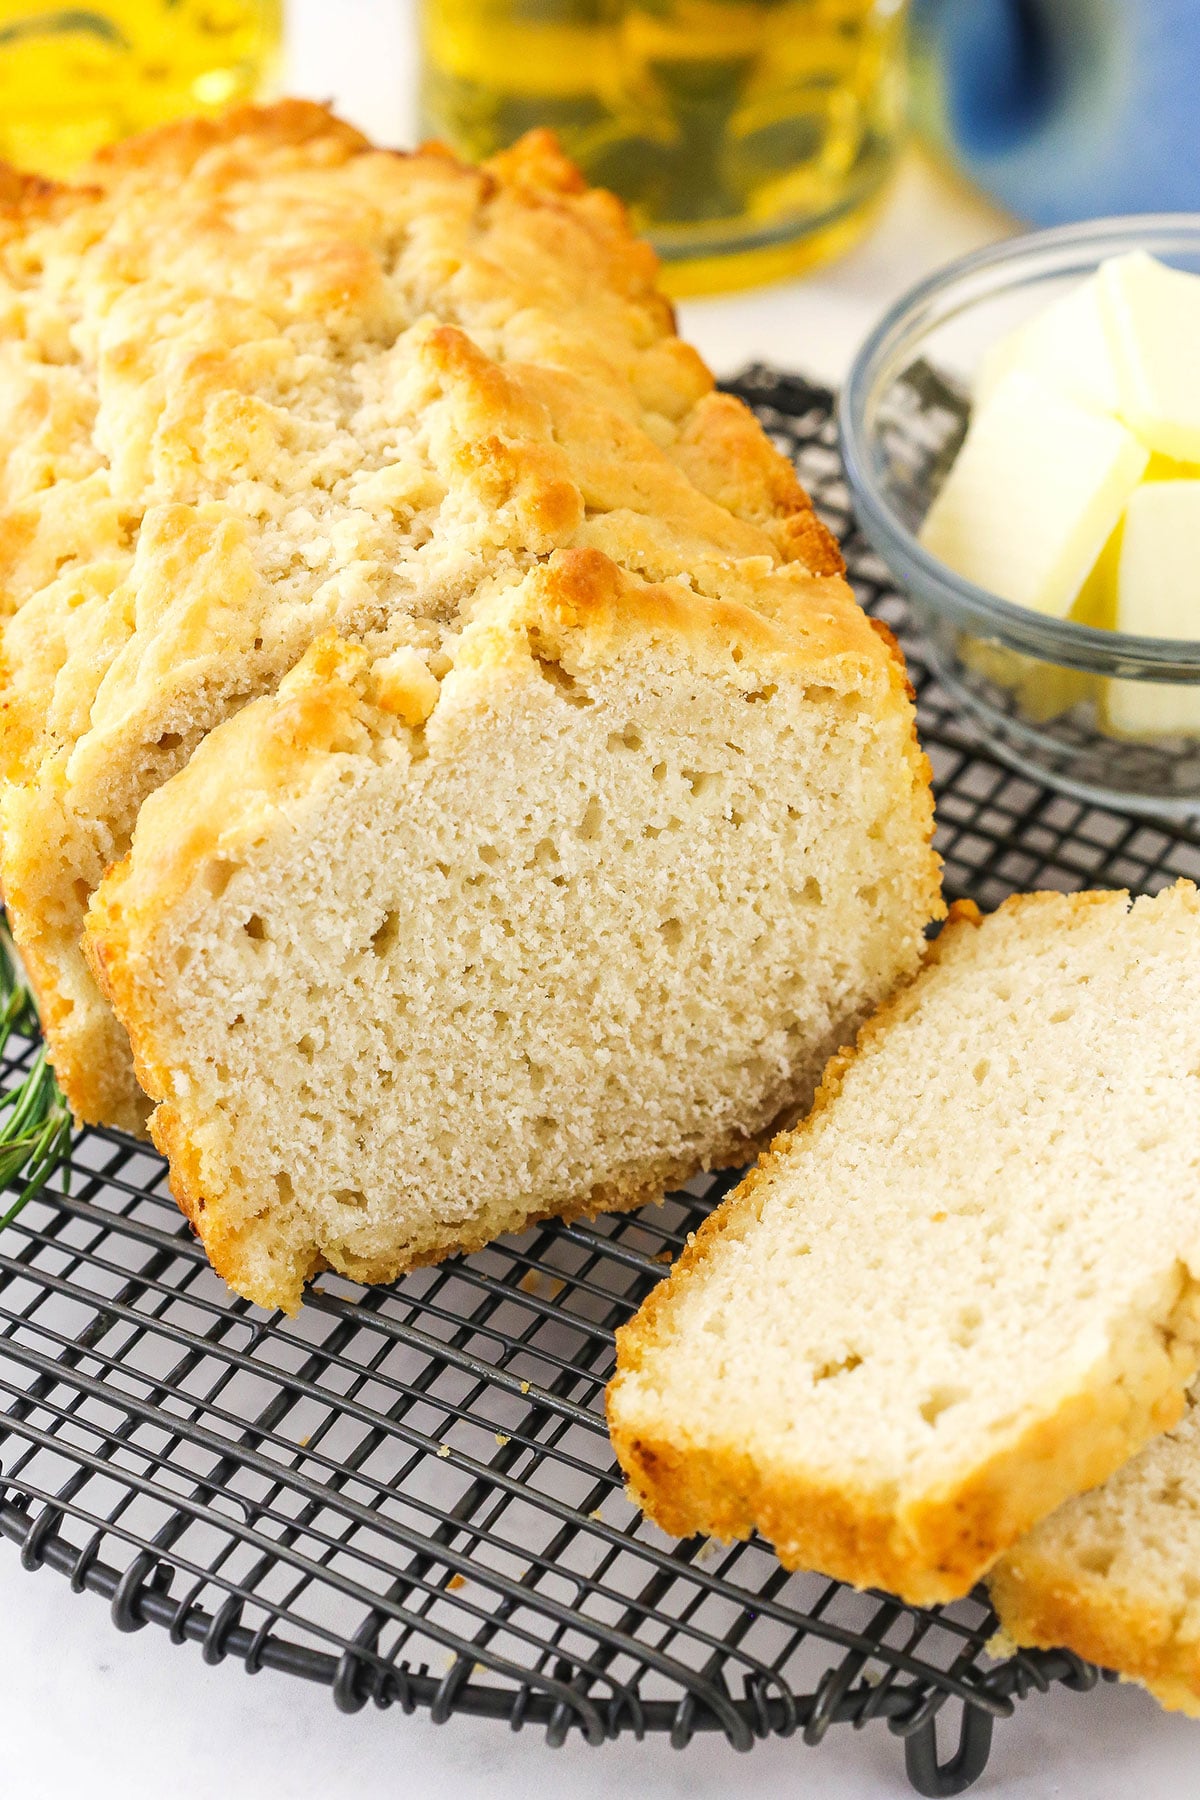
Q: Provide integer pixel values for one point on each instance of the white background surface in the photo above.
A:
(85, 1711)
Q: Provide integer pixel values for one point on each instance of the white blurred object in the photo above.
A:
(359, 55)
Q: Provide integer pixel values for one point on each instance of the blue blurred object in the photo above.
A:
(1065, 109)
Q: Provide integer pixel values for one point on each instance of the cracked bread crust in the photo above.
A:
(260, 380)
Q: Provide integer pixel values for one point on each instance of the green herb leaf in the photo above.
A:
(35, 1121)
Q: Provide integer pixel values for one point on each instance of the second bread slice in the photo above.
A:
(969, 1286)
(1115, 1574)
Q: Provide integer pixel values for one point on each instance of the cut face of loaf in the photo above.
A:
(408, 965)
(261, 381)
(969, 1285)
(1115, 1574)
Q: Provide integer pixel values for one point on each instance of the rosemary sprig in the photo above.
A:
(35, 1121)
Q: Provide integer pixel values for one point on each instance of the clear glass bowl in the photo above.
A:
(1035, 687)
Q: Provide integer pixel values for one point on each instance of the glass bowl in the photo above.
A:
(1035, 687)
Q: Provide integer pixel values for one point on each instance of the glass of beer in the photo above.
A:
(75, 78)
(748, 137)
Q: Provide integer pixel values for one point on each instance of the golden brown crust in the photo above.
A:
(175, 148)
(535, 164)
(1044, 1606)
(936, 1550)
(559, 242)
(726, 452)
(23, 195)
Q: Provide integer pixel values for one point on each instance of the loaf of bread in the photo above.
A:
(517, 809)
(968, 1286)
(259, 381)
(1112, 1574)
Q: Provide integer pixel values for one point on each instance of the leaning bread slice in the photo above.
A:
(408, 964)
(969, 1285)
(1115, 1574)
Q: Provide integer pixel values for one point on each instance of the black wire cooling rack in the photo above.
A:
(407, 1494)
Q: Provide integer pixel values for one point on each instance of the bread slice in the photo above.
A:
(409, 963)
(263, 381)
(969, 1285)
(1113, 1575)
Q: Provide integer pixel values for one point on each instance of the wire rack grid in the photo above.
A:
(407, 1495)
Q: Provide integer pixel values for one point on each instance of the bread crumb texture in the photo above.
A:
(510, 806)
(592, 925)
(1115, 1574)
(967, 1287)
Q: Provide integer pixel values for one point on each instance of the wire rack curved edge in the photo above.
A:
(407, 1495)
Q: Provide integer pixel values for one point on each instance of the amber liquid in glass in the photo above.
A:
(747, 136)
(75, 78)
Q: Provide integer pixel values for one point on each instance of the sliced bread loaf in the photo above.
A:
(969, 1285)
(1115, 1574)
(262, 381)
(409, 962)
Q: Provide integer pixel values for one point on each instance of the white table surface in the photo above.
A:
(86, 1711)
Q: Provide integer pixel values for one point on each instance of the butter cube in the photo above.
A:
(1036, 490)
(1066, 346)
(1158, 595)
(1153, 319)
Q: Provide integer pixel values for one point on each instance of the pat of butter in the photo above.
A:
(1158, 595)
(1153, 318)
(1034, 493)
(1066, 346)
